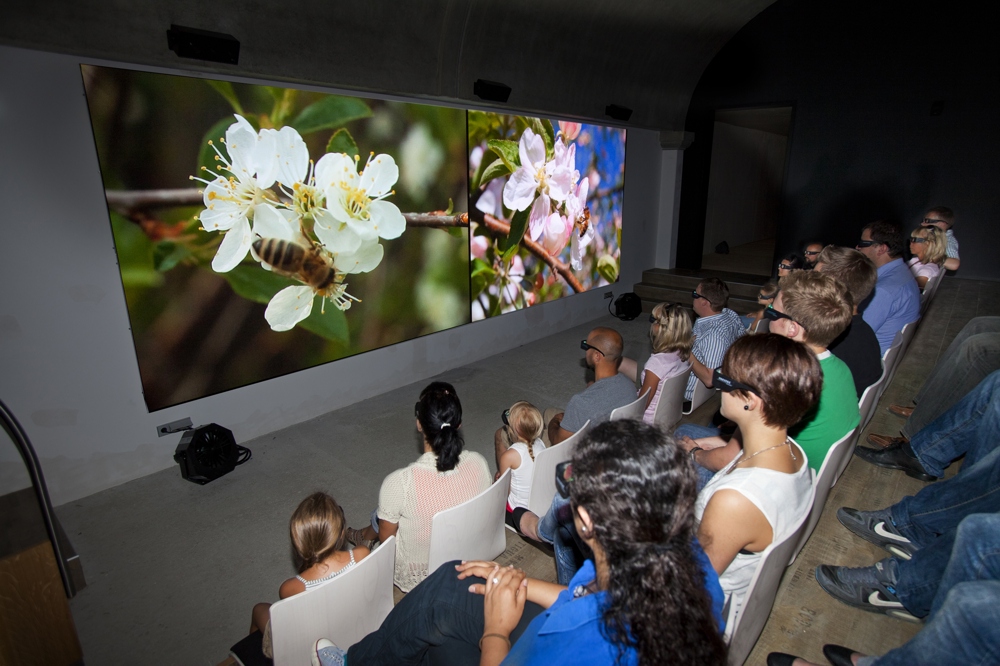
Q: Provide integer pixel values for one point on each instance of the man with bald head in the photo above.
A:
(610, 390)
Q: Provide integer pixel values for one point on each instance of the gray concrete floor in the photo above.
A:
(173, 568)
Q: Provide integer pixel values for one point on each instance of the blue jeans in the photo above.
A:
(697, 432)
(964, 625)
(971, 356)
(970, 428)
(438, 622)
(551, 530)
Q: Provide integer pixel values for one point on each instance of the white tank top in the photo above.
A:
(520, 478)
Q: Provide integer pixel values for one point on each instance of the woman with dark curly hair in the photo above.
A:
(648, 596)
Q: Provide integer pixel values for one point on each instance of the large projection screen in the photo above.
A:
(262, 230)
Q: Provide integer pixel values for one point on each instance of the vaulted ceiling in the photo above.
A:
(563, 57)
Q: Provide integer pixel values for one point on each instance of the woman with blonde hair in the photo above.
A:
(670, 334)
(524, 425)
(929, 247)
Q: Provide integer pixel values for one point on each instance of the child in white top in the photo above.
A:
(523, 423)
(318, 531)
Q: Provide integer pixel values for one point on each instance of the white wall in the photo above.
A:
(671, 164)
(67, 364)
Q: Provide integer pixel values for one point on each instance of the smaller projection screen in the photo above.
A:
(263, 230)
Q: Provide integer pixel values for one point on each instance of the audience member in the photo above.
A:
(670, 335)
(811, 308)
(767, 383)
(765, 297)
(927, 245)
(969, 359)
(943, 218)
(811, 255)
(964, 617)
(443, 477)
(318, 531)
(610, 390)
(522, 426)
(648, 596)
(790, 262)
(896, 300)
(857, 346)
(716, 328)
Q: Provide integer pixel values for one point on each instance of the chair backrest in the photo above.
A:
(345, 609)
(671, 402)
(763, 325)
(838, 455)
(543, 479)
(633, 410)
(866, 405)
(929, 290)
(473, 530)
(700, 396)
(743, 625)
(888, 363)
(902, 339)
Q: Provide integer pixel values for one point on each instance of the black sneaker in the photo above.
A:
(898, 456)
(878, 528)
(867, 588)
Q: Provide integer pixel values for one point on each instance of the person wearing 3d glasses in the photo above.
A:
(811, 308)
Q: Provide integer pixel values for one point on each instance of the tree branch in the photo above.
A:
(436, 220)
(501, 227)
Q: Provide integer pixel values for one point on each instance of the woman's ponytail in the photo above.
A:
(440, 415)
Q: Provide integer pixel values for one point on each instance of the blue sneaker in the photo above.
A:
(325, 653)
(869, 588)
(878, 528)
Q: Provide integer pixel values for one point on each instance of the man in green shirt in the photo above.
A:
(811, 308)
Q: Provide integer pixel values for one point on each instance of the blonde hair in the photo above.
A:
(673, 330)
(317, 529)
(526, 423)
(937, 244)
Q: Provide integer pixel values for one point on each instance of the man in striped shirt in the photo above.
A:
(717, 327)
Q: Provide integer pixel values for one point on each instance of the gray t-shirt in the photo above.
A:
(597, 401)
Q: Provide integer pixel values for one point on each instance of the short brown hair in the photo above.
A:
(784, 373)
(937, 244)
(884, 232)
(716, 292)
(851, 268)
(673, 330)
(947, 214)
(818, 303)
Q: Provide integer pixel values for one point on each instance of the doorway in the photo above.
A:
(746, 177)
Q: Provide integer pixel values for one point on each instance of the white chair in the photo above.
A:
(838, 455)
(930, 289)
(888, 362)
(903, 339)
(345, 609)
(700, 396)
(866, 405)
(671, 402)
(633, 410)
(473, 530)
(743, 625)
(543, 479)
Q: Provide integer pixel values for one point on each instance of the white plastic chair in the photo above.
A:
(743, 625)
(888, 362)
(700, 396)
(838, 454)
(543, 479)
(671, 402)
(866, 405)
(473, 530)
(902, 339)
(633, 410)
(344, 609)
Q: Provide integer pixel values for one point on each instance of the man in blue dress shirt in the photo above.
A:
(896, 299)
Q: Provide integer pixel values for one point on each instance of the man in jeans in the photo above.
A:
(971, 356)
(919, 530)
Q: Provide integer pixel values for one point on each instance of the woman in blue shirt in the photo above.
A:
(648, 596)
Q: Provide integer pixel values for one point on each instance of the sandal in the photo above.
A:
(355, 537)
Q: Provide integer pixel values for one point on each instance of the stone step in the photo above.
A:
(740, 285)
(652, 294)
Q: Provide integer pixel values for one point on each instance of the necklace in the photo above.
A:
(788, 441)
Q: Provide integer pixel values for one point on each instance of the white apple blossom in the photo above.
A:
(554, 235)
(535, 175)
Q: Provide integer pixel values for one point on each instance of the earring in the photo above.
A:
(746, 407)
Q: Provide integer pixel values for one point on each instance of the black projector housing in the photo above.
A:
(206, 453)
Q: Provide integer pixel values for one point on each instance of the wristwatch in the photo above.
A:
(694, 451)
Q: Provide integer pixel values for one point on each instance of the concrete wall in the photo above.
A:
(67, 364)
(864, 144)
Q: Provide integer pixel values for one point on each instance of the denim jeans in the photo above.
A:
(971, 356)
(551, 530)
(970, 428)
(698, 432)
(964, 625)
(438, 622)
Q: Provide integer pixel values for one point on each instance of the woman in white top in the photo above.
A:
(443, 477)
(768, 383)
(524, 425)
(929, 247)
(671, 337)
